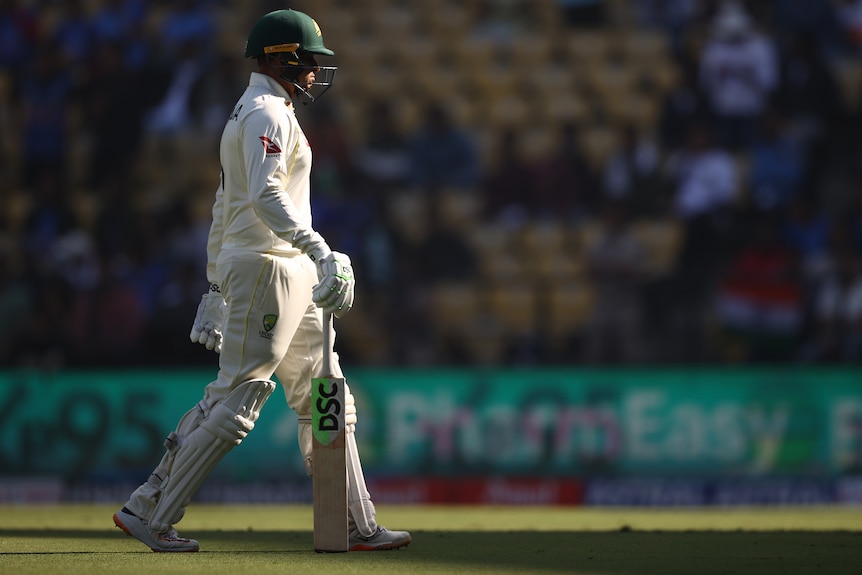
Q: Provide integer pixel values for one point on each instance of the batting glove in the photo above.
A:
(207, 327)
(334, 290)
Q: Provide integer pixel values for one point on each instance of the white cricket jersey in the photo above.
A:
(263, 203)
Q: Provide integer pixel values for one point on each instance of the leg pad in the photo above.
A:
(196, 453)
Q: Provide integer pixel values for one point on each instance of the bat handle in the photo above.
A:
(327, 344)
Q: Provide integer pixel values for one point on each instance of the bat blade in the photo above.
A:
(330, 465)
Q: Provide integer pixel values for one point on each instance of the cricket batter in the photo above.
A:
(271, 278)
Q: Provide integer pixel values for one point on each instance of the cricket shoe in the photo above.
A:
(168, 540)
(381, 540)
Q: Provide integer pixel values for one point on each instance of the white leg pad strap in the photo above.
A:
(144, 499)
(304, 437)
(361, 512)
(197, 453)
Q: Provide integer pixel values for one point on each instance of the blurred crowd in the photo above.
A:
(111, 112)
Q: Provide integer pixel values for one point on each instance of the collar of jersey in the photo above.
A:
(258, 79)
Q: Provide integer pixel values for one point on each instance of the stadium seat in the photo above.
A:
(449, 21)
(633, 108)
(549, 76)
(460, 318)
(455, 307)
(407, 212)
(551, 253)
(643, 47)
(559, 267)
(490, 239)
(611, 78)
(393, 20)
(420, 51)
(588, 47)
(537, 142)
(597, 142)
(366, 336)
(460, 207)
(16, 206)
(662, 239)
(563, 106)
(503, 268)
(848, 72)
(512, 112)
(530, 50)
(569, 306)
(515, 307)
(544, 235)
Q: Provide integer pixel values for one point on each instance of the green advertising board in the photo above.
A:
(552, 422)
(78, 424)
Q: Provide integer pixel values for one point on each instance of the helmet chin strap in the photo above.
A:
(302, 94)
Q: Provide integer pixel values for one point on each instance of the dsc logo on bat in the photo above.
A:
(327, 398)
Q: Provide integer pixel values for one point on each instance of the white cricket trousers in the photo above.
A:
(270, 326)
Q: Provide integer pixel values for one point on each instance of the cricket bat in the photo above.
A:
(328, 454)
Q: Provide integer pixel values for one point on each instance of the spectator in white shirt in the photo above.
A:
(838, 312)
(705, 180)
(705, 176)
(738, 73)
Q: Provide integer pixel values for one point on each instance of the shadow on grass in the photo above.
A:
(586, 552)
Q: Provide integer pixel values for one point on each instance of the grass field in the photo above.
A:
(258, 540)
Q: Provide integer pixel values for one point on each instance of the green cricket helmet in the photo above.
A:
(290, 39)
(285, 31)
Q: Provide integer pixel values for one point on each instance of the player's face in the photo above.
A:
(307, 76)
